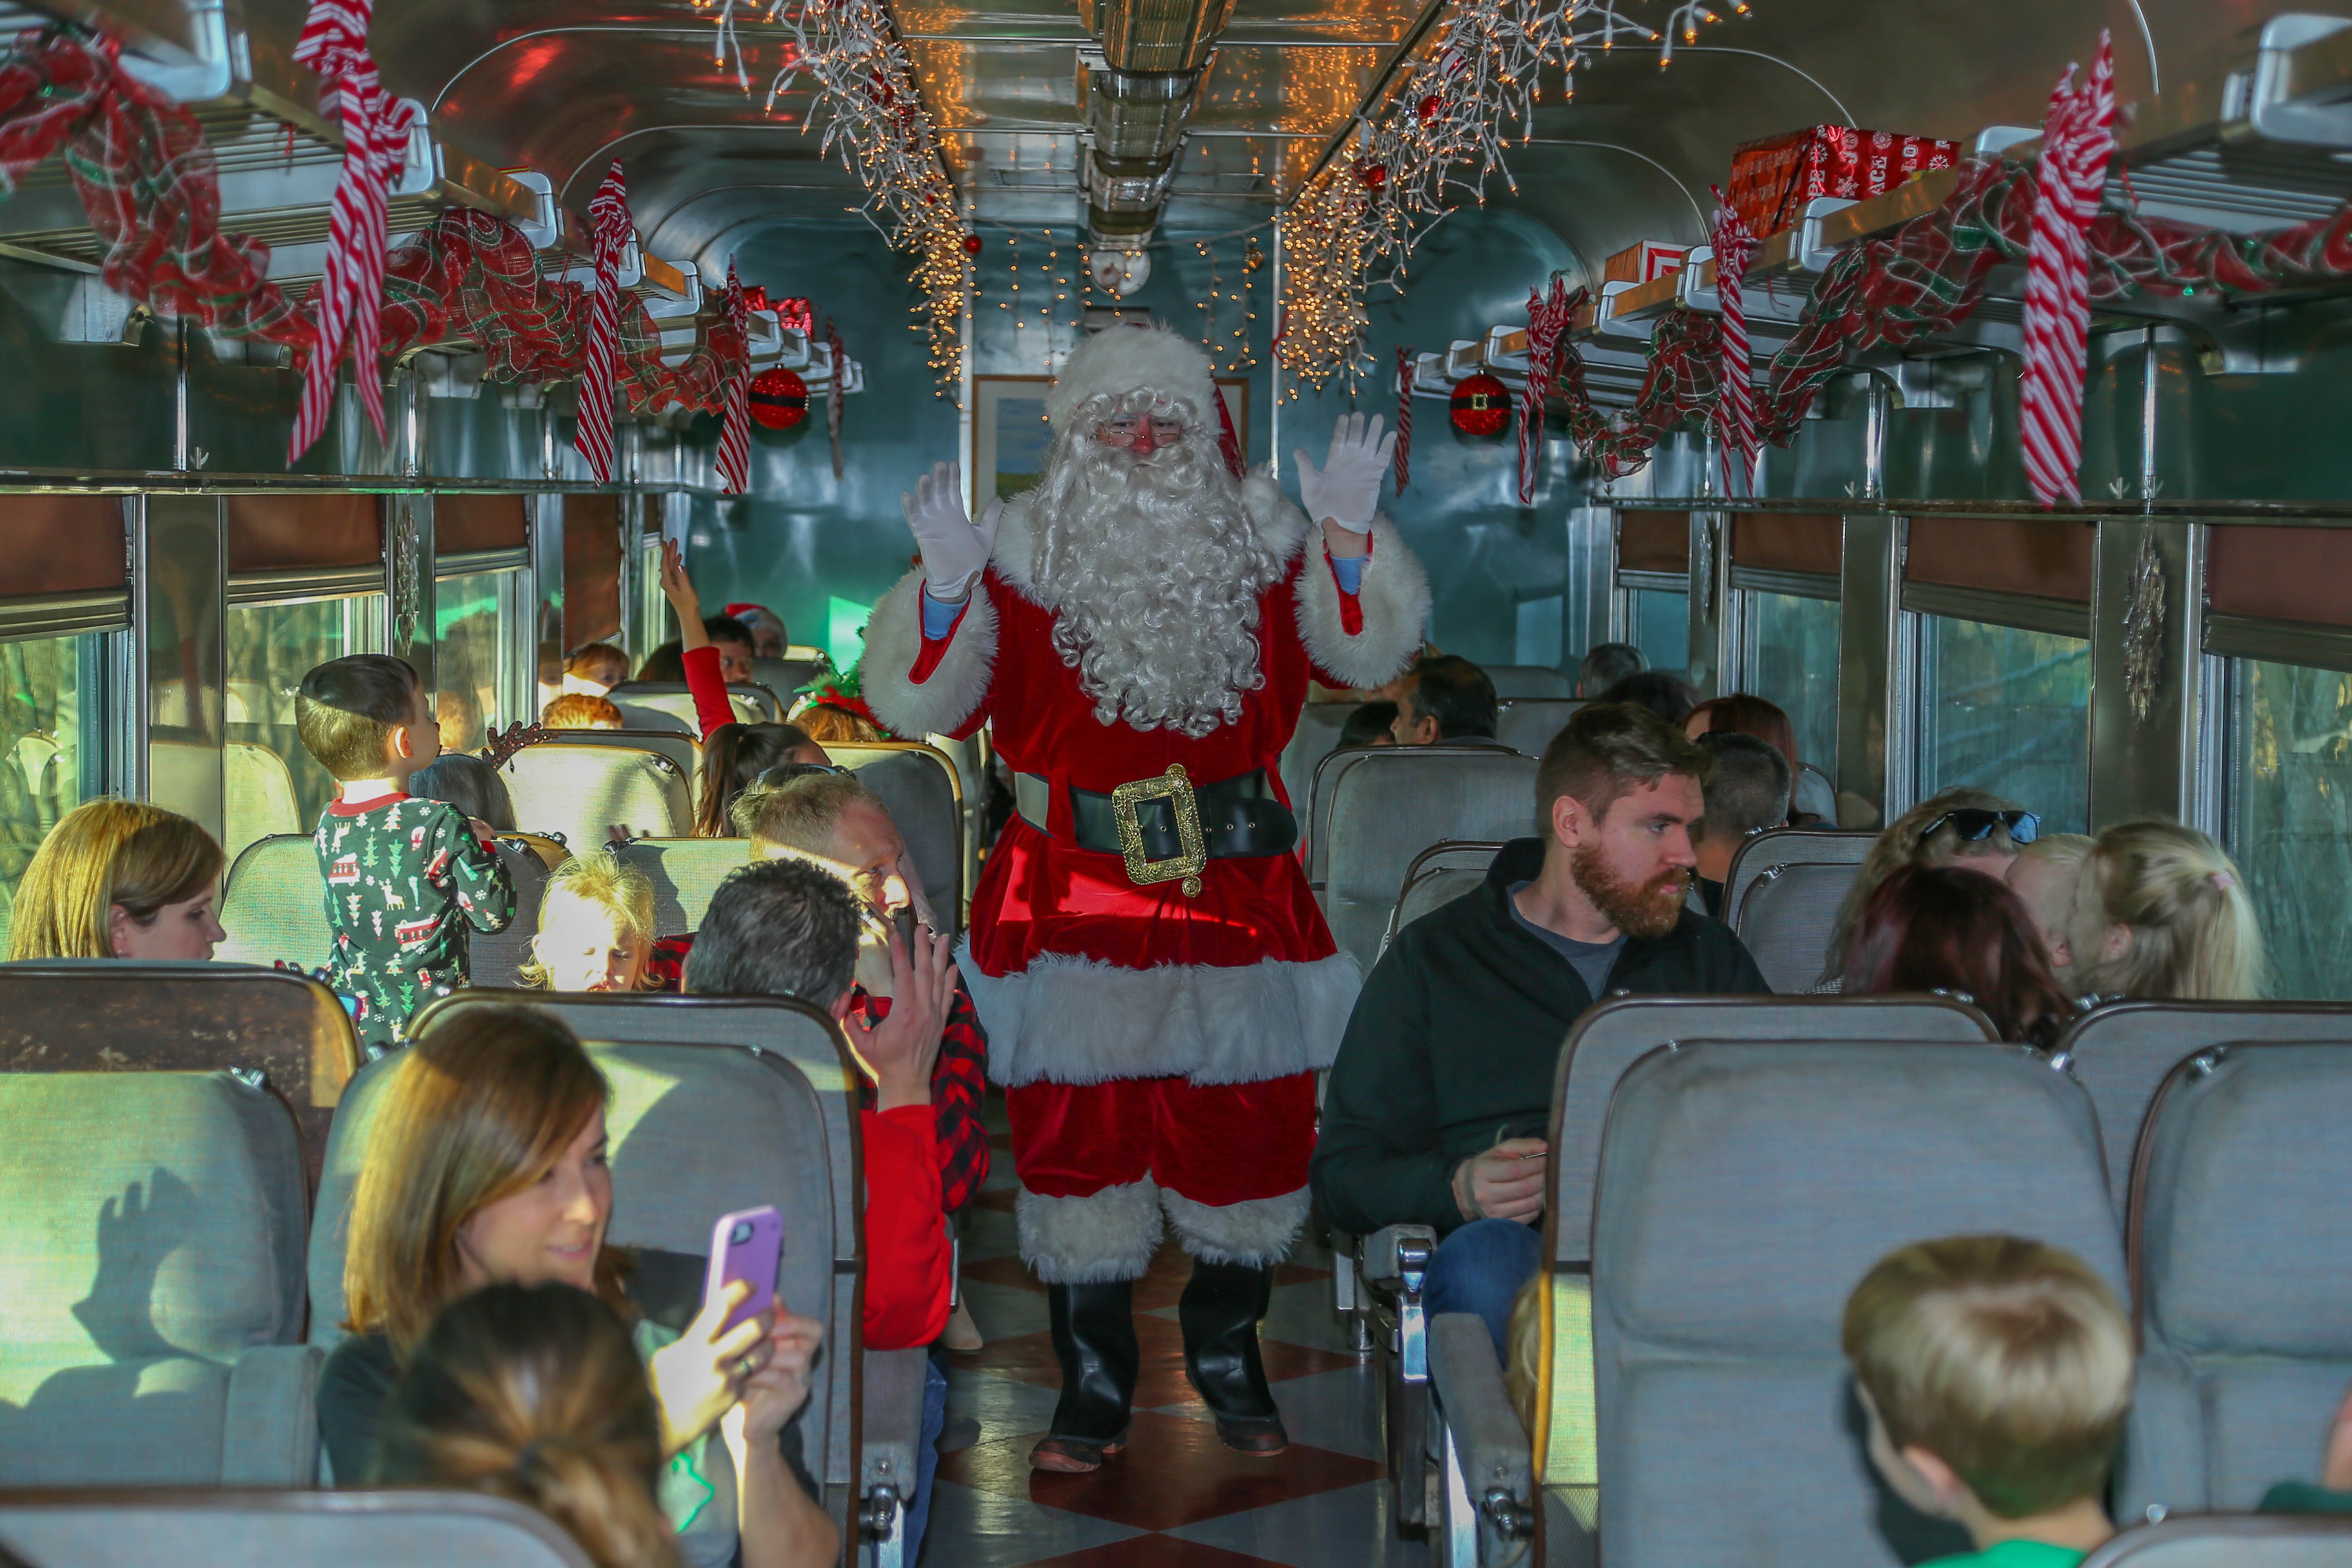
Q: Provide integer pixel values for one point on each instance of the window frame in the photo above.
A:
(1920, 602)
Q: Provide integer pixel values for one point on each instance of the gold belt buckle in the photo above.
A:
(1176, 786)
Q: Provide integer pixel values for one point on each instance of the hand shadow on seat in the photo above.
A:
(136, 1234)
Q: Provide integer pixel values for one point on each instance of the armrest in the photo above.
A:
(269, 1432)
(890, 1424)
(1488, 1454)
(1388, 1252)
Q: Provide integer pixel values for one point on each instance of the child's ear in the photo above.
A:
(1942, 1480)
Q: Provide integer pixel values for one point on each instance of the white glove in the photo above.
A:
(1346, 488)
(955, 549)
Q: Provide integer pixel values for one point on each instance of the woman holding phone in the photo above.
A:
(486, 1165)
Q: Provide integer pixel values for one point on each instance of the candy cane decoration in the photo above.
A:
(376, 129)
(833, 399)
(735, 428)
(1404, 418)
(1547, 319)
(2077, 140)
(1735, 407)
(609, 218)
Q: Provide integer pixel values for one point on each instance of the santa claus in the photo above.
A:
(1157, 985)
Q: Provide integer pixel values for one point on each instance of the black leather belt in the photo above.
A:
(1166, 827)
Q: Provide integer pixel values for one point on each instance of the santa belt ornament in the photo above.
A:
(1163, 826)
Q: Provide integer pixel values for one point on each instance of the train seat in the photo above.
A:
(684, 750)
(669, 704)
(2226, 1541)
(1526, 724)
(1439, 874)
(151, 1255)
(2239, 1233)
(1783, 891)
(785, 677)
(284, 1032)
(584, 794)
(1513, 681)
(684, 873)
(2122, 1052)
(1316, 738)
(1812, 791)
(1389, 803)
(918, 784)
(258, 797)
(238, 1529)
(1743, 1190)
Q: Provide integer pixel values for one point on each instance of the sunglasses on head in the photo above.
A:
(786, 772)
(1973, 825)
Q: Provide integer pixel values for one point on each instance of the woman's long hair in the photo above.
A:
(1947, 928)
(733, 756)
(534, 1393)
(1905, 842)
(478, 1110)
(1742, 714)
(2194, 935)
(104, 853)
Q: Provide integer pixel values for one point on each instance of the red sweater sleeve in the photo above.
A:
(907, 1261)
(710, 688)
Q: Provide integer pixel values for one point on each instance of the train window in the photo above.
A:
(51, 753)
(1654, 609)
(1789, 656)
(2291, 819)
(2006, 710)
(473, 654)
(271, 784)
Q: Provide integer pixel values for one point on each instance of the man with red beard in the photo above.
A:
(1439, 1103)
(1157, 985)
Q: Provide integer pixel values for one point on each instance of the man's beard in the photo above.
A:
(1154, 568)
(1647, 909)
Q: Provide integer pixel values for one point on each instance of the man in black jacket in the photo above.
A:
(1438, 1103)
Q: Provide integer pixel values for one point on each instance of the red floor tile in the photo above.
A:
(1175, 1473)
(1160, 1379)
(1006, 1271)
(1152, 1551)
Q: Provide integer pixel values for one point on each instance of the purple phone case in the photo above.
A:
(755, 1258)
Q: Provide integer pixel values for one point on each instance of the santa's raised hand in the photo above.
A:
(1343, 494)
(955, 549)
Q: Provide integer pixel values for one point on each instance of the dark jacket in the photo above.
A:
(1454, 1037)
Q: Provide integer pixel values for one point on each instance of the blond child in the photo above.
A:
(596, 927)
(2160, 911)
(2043, 875)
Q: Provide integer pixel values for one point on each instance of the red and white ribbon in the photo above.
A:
(833, 399)
(1547, 319)
(735, 428)
(349, 293)
(2077, 140)
(1735, 406)
(1404, 418)
(608, 217)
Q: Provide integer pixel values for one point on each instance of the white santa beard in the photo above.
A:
(1154, 570)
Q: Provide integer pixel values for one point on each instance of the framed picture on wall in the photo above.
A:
(1011, 439)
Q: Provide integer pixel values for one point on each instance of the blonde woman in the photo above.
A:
(1961, 826)
(596, 927)
(120, 878)
(2044, 875)
(2159, 911)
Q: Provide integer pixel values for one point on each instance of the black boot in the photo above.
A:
(1094, 1339)
(1220, 1311)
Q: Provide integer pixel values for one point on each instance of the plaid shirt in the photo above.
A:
(958, 1079)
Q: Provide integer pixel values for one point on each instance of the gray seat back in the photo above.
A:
(2245, 1540)
(695, 1133)
(151, 1255)
(684, 873)
(669, 704)
(786, 676)
(1812, 791)
(1610, 1038)
(2121, 1053)
(2239, 1234)
(110, 1529)
(1782, 895)
(1516, 681)
(1526, 724)
(918, 782)
(1745, 1189)
(1318, 734)
(495, 958)
(274, 907)
(1438, 875)
(683, 750)
(1394, 802)
(107, 1015)
(582, 793)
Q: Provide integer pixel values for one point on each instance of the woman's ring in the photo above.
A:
(746, 1366)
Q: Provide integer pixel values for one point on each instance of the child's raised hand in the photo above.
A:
(677, 586)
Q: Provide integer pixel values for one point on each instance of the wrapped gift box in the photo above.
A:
(1643, 263)
(1773, 179)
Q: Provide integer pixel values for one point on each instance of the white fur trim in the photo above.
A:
(1109, 1235)
(894, 640)
(1080, 1020)
(1122, 359)
(1256, 1234)
(1395, 601)
(1015, 548)
(1281, 524)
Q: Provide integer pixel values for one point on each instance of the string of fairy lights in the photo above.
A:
(1448, 109)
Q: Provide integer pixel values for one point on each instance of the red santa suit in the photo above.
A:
(1159, 1046)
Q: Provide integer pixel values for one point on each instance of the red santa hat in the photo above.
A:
(1130, 357)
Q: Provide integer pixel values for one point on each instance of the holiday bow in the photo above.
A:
(1547, 319)
(1404, 418)
(735, 428)
(376, 129)
(608, 217)
(1735, 408)
(2077, 140)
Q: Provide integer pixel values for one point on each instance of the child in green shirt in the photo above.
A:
(1997, 1373)
(406, 877)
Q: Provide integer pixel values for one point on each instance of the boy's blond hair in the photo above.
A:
(2194, 934)
(2007, 1359)
(597, 878)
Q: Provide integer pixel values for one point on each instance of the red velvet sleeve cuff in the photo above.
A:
(935, 649)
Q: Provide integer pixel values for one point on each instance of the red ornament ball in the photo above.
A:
(779, 399)
(972, 244)
(1374, 176)
(1429, 107)
(1482, 405)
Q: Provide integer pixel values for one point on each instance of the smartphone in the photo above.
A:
(747, 1246)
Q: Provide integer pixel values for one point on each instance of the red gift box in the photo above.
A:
(1773, 179)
